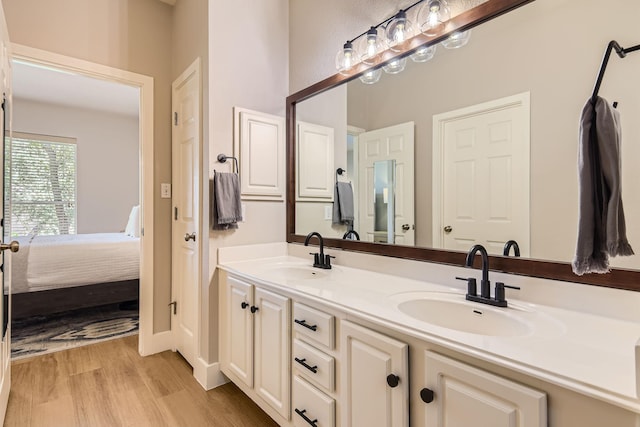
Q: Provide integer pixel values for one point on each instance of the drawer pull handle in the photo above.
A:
(254, 309)
(306, 325)
(307, 419)
(244, 305)
(313, 369)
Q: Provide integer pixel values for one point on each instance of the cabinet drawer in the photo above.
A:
(314, 324)
(313, 364)
(311, 406)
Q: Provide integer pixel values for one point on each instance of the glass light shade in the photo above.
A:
(399, 31)
(346, 59)
(424, 53)
(396, 66)
(371, 45)
(457, 39)
(371, 76)
(432, 16)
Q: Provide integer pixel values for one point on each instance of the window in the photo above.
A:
(41, 173)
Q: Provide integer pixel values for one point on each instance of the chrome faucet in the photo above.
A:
(320, 260)
(485, 285)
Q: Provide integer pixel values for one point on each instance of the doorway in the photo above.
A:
(143, 85)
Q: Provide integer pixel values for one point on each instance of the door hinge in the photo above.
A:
(175, 306)
(175, 213)
(175, 118)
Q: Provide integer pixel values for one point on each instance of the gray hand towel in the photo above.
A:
(601, 223)
(226, 203)
(343, 204)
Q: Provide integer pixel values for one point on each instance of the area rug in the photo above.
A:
(45, 334)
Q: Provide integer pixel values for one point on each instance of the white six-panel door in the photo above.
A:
(481, 176)
(185, 236)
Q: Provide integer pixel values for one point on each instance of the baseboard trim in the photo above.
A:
(157, 343)
(209, 375)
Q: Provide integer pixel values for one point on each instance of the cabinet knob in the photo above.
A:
(393, 380)
(244, 305)
(254, 309)
(427, 395)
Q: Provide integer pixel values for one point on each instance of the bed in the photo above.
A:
(50, 274)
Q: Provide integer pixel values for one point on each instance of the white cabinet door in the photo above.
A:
(272, 350)
(239, 329)
(369, 360)
(466, 396)
(315, 170)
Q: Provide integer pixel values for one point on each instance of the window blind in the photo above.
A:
(42, 179)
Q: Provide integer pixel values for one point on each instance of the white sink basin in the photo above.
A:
(296, 272)
(452, 311)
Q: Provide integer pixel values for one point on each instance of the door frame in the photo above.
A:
(520, 100)
(148, 342)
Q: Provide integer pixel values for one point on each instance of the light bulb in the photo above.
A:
(423, 53)
(346, 58)
(371, 76)
(432, 17)
(396, 66)
(371, 45)
(457, 39)
(399, 31)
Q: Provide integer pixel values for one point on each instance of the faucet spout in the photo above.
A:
(485, 289)
(320, 239)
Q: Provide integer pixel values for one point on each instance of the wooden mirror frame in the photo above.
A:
(617, 278)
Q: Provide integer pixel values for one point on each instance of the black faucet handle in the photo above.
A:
(316, 258)
(327, 261)
(472, 287)
(499, 293)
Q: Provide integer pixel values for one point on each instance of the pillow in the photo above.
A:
(133, 226)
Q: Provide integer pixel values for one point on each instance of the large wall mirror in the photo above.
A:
(523, 76)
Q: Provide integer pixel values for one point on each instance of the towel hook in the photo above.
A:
(222, 158)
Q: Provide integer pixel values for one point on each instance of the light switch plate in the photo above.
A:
(328, 211)
(165, 190)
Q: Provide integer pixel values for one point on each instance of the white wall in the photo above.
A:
(249, 68)
(107, 156)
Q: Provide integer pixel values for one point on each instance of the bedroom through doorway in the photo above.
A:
(73, 201)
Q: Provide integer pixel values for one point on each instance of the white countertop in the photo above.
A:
(591, 354)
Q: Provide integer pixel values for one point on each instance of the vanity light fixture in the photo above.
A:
(399, 31)
(423, 53)
(372, 45)
(457, 39)
(395, 34)
(371, 76)
(346, 58)
(432, 16)
(395, 66)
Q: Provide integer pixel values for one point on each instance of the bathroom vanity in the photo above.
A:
(353, 347)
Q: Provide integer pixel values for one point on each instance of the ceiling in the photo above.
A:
(43, 84)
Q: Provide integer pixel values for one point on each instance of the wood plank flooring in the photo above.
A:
(109, 384)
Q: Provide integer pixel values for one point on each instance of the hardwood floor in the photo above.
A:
(109, 384)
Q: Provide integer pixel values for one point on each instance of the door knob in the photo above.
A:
(406, 227)
(13, 246)
(191, 236)
(448, 229)
(393, 380)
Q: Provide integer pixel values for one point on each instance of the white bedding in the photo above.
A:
(51, 262)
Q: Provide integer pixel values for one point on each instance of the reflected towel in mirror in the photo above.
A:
(343, 204)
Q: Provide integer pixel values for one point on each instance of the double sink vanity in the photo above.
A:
(365, 343)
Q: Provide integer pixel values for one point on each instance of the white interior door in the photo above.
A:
(5, 279)
(185, 233)
(484, 176)
(391, 143)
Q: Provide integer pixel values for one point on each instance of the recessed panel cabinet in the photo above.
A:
(375, 376)
(459, 395)
(258, 342)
